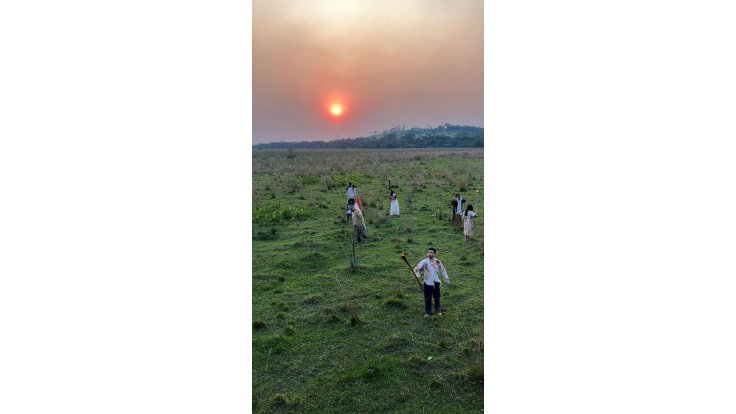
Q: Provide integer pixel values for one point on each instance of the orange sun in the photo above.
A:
(336, 109)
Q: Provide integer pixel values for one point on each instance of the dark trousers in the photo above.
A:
(351, 201)
(429, 291)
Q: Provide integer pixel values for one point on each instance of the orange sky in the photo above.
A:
(387, 62)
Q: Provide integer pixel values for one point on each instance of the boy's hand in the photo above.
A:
(447, 281)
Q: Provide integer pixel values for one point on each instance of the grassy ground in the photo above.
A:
(330, 339)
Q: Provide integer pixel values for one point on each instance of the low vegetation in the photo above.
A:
(331, 339)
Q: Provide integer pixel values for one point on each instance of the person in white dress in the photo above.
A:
(468, 219)
(394, 204)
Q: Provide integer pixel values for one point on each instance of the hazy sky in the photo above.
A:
(386, 62)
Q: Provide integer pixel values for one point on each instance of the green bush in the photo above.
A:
(283, 215)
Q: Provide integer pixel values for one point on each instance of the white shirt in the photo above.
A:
(432, 270)
(459, 209)
(351, 192)
(470, 214)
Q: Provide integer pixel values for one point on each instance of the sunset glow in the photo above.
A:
(334, 68)
(336, 109)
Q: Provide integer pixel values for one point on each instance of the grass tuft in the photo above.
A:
(396, 303)
(472, 373)
(312, 299)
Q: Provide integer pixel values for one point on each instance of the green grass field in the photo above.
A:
(330, 339)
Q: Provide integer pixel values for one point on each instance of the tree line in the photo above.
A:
(443, 136)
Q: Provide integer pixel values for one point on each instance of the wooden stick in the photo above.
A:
(403, 256)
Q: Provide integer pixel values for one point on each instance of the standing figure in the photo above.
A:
(394, 204)
(468, 218)
(351, 196)
(358, 223)
(453, 206)
(432, 268)
(457, 213)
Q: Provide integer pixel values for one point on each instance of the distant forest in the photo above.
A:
(443, 136)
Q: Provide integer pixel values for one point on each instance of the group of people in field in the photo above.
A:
(355, 212)
(431, 265)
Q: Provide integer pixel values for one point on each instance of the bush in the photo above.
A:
(269, 215)
(280, 399)
(308, 180)
(352, 309)
(472, 373)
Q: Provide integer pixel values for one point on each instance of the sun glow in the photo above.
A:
(336, 109)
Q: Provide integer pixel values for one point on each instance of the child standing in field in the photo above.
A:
(394, 204)
(468, 226)
(432, 268)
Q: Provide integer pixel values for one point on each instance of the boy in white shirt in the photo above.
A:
(432, 268)
(351, 196)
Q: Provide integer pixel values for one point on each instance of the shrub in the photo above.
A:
(472, 372)
(308, 179)
(283, 215)
(409, 225)
(280, 399)
(326, 184)
(441, 214)
(352, 309)
(376, 217)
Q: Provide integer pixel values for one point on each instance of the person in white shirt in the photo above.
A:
(351, 193)
(468, 226)
(432, 268)
(351, 196)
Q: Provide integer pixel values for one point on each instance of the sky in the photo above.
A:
(327, 69)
